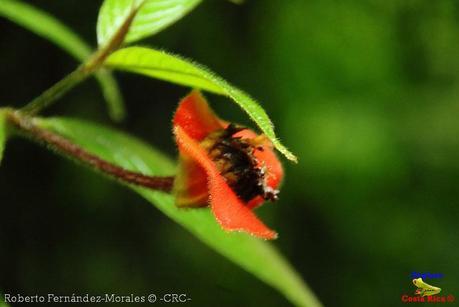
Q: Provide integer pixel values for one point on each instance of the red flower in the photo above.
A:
(224, 165)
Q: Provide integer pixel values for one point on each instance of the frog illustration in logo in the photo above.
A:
(424, 289)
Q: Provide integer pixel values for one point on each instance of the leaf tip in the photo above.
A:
(287, 153)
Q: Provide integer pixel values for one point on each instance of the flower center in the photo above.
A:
(235, 159)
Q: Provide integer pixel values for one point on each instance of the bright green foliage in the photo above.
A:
(2, 133)
(47, 26)
(152, 17)
(254, 255)
(172, 68)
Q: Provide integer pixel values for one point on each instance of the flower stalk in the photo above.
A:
(25, 125)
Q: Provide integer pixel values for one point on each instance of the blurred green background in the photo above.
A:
(365, 92)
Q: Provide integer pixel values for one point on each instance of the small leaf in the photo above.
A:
(48, 27)
(172, 68)
(256, 256)
(2, 132)
(152, 17)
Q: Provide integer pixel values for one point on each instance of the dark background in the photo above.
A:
(365, 92)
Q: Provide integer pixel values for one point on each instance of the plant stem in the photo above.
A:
(85, 70)
(64, 146)
(93, 63)
(56, 91)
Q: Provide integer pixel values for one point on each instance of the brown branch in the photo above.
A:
(66, 147)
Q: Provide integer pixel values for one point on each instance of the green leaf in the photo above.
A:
(2, 132)
(152, 17)
(48, 27)
(172, 68)
(256, 256)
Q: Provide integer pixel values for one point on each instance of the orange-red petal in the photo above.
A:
(190, 186)
(195, 117)
(228, 209)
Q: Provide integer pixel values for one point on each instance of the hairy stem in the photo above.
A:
(64, 146)
(94, 62)
(56, 91)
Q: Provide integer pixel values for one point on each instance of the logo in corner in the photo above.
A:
(424, 289)
(426, 293)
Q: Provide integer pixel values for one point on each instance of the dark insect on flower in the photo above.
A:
(227, 166)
